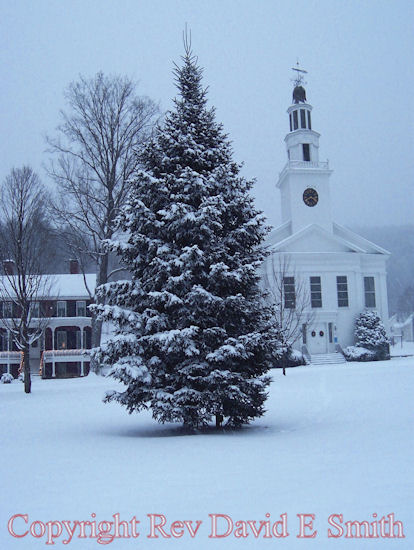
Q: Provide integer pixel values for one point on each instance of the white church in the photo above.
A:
(324, 273)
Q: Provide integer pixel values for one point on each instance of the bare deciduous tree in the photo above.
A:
(290, 297)
(24, 236)
(95, 157)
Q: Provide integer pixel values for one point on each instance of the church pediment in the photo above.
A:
(314, 238)
(367, 246)
(279, 234)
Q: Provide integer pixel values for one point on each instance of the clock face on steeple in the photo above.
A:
(310, 197)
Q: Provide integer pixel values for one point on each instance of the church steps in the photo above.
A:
(327, 359)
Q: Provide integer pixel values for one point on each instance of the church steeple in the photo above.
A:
(302, 142)
(304, 181)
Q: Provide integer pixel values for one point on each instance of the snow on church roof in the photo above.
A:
(283, 236)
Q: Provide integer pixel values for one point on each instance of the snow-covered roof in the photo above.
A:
(282, 237)
(368, 246)
(62, 285)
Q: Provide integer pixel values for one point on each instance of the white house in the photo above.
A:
(63, 347)
(341, 272)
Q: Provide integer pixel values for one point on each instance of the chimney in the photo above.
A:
(8, 267)
(74, 267)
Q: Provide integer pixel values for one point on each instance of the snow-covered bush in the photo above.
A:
(21, 377)
(354, 353)
(290, 358)
(6, 378)
(194, 338)
(370, 334)
(295, 358)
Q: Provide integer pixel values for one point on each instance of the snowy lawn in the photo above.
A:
(335, 440)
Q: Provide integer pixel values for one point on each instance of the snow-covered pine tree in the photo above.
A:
(370, 334)
(194, 338)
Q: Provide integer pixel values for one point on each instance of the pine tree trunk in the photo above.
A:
(219, 420)
(96, 332)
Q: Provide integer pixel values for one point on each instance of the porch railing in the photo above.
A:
(57, 355)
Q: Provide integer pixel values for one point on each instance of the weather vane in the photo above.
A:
(299, 79)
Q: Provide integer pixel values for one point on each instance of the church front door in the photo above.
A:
(317, 338)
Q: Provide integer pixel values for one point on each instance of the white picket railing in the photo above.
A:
(307, 164)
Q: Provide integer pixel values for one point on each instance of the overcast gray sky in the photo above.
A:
(359, 56)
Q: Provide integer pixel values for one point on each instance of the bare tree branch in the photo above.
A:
(24, 238)
(95, 156)
(293, 311)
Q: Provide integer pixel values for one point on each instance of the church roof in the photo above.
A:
(368, 246)
(314, 238)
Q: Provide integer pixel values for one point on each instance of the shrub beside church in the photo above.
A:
(371, 341)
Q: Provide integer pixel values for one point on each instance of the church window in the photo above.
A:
(306, 151)
(316, 291)
(304, 327)
(290, 121)
(289, 292)
(330, 332)
(309, 121)
(342, 291)
(295, 120)
(369, 287)
(302, 118)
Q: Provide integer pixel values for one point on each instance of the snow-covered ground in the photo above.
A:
(335, 440)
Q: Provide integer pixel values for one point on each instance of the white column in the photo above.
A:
(82, 371)
(8, 349)
(53, 355)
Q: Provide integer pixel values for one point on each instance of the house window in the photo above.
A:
(342, 291)
(4, 341)
(289, 292)
(316, 291)
(61, 308)
(34, 310)
(302, 118)
(7, 310)
(309, 121)
(306, 151)
(61, 339)
(81, 308)
(369, 287)
(295, 120)
(290, 121)
(79, 343)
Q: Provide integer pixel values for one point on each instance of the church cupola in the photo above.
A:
(302, 142)
(304, 181)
